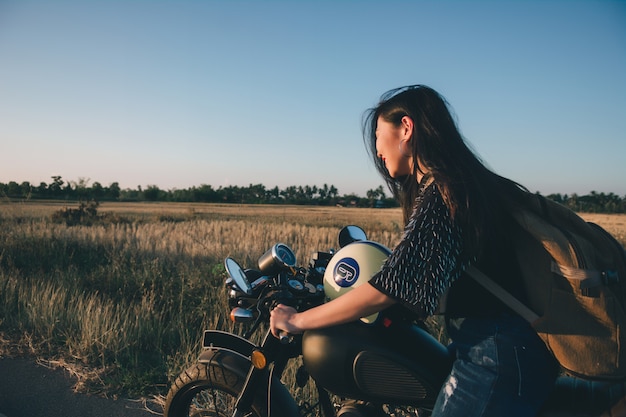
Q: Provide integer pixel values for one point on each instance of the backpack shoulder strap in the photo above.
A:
(502, 294)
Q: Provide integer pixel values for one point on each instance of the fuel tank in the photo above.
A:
(399, 363)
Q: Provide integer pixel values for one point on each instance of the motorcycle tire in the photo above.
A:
(208, 390)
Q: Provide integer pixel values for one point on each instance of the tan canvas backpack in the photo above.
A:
(575, 276)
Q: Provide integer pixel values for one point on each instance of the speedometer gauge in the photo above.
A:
(285, 255)
(280, 256)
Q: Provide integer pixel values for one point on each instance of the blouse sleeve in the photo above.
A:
(427, 260)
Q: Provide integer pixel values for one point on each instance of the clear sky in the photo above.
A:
(183, 93)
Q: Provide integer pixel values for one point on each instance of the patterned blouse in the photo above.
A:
(428, 258)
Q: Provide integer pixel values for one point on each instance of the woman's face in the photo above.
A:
(392, 146)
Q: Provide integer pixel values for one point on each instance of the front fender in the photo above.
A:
(233, 353)
(217, 339)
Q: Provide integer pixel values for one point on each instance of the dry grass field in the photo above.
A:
(123, 300)
(613, 223)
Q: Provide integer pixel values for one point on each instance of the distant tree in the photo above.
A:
(256, 193)
(333, 192)
(129, 194)
(113, 191)
(80, 188)
(55, 187)
(97, 191)
(375, 195)
(152, 193)
(289, 194)
(205, 194)
(67, 192)
(572, 202)
(13, 189)
(26, 190)
(558, 198)
(309, 191)
(273, 195)
(42, 190)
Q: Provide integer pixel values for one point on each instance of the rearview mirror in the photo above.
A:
(238, 275)
(351, 234)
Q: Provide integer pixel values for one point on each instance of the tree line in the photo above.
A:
(326, 195)
(81, 190)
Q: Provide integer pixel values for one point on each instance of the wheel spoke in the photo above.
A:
(212, 403)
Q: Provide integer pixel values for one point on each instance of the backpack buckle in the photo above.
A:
(610, 277)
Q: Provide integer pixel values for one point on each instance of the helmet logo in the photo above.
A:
(346, 272)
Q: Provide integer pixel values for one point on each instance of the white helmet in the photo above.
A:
(354, 265)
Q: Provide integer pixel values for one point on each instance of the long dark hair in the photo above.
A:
(476, 197)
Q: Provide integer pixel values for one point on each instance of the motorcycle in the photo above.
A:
(382, 365)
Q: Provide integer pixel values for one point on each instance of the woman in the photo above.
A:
(456, 215)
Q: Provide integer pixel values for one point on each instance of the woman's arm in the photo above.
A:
(359, 302)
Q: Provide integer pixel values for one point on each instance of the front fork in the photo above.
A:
(271, 353)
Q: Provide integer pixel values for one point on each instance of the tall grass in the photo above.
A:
(127, 297)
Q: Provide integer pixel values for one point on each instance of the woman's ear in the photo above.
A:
(407, 128)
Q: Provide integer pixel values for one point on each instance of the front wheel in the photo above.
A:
(208, 390)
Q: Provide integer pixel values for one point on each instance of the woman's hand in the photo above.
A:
(282, 318)
(358, 302)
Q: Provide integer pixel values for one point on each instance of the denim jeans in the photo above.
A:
(502, 368)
